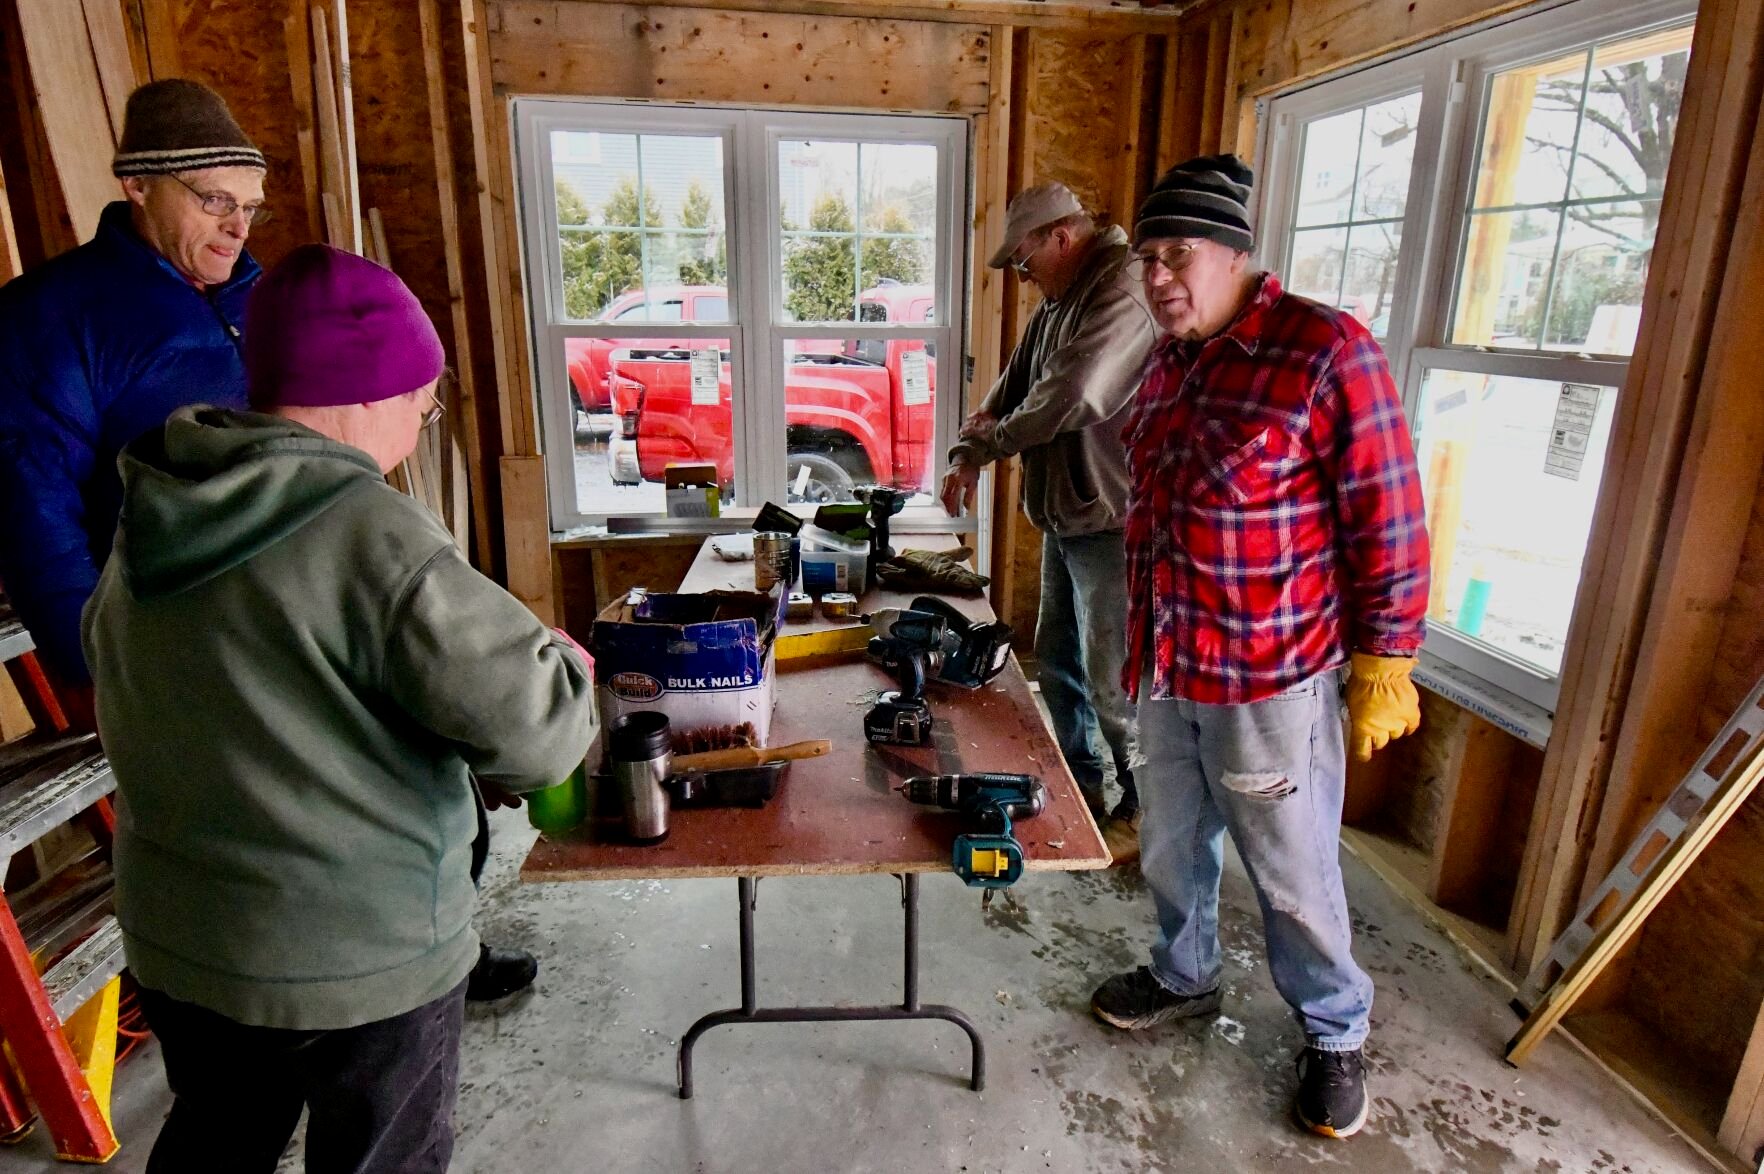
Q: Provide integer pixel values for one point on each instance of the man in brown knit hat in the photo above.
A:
(103, 343)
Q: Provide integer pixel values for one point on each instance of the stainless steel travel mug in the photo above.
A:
(641, 749)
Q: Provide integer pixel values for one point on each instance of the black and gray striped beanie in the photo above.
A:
(1205, 197)
(178, 125)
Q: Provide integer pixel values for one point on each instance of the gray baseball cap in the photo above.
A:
(1033, 208)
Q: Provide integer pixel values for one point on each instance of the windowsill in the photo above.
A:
(1525, 720)
(912, 520)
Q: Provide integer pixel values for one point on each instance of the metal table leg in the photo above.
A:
(910, 1008)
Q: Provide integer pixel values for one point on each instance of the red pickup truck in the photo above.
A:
(589, 359)
(856, 412)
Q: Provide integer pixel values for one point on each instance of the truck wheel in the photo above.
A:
(828, 480)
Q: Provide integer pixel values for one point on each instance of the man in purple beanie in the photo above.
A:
(298, 677)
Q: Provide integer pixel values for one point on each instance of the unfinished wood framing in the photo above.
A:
(447, 201)
(297, 38)
(11, 264)
(1647, 450)
(1131, 105)
(629, 51)
(1104, 17)
(1280, 42)
(1494, 839)
(1706, 536)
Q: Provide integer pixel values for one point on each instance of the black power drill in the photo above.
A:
(990, 857)
(903, 716)
(883, 503)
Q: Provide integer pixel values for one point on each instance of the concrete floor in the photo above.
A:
(579, 1074)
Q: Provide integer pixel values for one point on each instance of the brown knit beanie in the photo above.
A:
(178, 125)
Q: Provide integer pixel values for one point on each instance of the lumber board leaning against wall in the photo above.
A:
(79, 61)
(626, 51)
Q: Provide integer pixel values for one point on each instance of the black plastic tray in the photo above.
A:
(747, 786)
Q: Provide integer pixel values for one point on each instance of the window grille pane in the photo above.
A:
(1510, 468)
(859, 411)
(1566, 196)
(854, 216)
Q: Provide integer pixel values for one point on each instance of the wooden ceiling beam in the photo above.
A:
(1114, 18)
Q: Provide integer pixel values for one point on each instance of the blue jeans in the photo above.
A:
(1273, 772)
(1080, 646)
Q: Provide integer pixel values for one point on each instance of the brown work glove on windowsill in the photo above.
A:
(931, 570)
(1382, 702)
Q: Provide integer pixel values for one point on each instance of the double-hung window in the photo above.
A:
(766, 292)
(1487, 207)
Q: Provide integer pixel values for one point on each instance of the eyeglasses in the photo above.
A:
(220, 206)
(1021, 264)
(1174, 259)
(437, 393)
(433, 416)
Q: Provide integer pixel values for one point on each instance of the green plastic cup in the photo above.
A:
(560, 807)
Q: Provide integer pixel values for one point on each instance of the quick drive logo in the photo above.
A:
(741, 682)
(635, 686)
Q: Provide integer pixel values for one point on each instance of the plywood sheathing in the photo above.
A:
(547, 47)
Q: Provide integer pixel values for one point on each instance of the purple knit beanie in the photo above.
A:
(326, 327)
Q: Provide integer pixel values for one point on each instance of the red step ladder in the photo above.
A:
(62, 778)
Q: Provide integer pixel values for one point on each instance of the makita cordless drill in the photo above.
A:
(989, 857)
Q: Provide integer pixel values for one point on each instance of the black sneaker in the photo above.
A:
(500, 973)
(1332, 1092)
(1135, 1000)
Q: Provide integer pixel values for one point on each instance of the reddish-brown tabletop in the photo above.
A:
(840, 814)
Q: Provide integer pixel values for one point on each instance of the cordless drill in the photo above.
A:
(909, 645)
(990, 856)
(900, 716)
(883, 503)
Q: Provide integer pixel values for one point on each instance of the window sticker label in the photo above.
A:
(1576, 410)
(915, 379)
(707, 367)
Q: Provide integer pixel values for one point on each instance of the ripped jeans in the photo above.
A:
(1273, 772)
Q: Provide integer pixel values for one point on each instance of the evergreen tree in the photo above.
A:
(818, 271)
(892, 259)
(600, 265)
(705, 262)
(581, 253)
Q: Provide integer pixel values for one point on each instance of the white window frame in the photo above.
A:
(1451, 75)
(757, 326)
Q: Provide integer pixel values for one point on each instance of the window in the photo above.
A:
(750, 289)
(1487, 207)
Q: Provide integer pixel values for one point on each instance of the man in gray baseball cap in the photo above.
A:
(1060, 404)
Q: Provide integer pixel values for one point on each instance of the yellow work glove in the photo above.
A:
(1382, 702)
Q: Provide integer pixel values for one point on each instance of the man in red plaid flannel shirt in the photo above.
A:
(1275, 534)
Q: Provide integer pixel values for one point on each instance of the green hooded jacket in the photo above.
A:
(297, 673)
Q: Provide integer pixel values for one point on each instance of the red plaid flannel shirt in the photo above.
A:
(1275, 520)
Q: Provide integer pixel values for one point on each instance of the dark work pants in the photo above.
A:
(380, 1096)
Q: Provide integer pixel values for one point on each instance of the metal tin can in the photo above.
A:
(771, 560)
(799, 606)
(838, 605)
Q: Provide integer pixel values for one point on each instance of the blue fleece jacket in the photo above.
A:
(96, 347)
